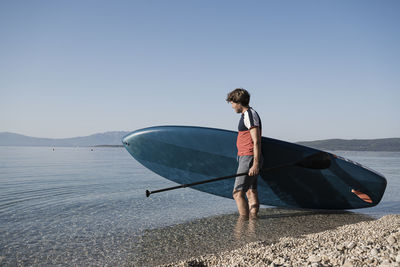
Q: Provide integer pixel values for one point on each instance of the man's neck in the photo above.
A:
(244, 109)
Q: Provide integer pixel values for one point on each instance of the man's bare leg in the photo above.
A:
(253, 204)
(241, 203)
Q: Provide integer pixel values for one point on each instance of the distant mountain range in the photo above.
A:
(386, 144)
(114, 139)
(99, 139)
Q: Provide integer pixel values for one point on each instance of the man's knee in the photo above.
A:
(238, 194)
(252, 194)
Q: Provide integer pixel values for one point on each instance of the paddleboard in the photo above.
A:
(186, 154)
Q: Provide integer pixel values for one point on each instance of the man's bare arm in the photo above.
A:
(256, 137)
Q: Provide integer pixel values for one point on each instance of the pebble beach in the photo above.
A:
(342, 241)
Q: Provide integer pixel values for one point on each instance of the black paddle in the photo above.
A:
(318, 161)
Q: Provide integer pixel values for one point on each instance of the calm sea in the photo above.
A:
(77, 206)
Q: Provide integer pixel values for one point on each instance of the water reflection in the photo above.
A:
(245, 227)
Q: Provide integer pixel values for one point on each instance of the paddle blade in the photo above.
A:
(320, 160)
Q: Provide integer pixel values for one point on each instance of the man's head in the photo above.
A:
(239, 98)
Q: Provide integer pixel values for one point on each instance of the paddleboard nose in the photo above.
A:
(131, 138)
(126, 140)
(135, 136)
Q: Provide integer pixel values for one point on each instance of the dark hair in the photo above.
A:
(240, 96)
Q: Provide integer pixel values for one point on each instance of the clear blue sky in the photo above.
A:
(315, 69)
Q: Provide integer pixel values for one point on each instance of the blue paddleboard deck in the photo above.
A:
(185, 154)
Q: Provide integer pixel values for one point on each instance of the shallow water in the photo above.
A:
(78, 206)
(74, 205)
(227, 232)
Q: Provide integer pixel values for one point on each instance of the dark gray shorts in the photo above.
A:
(246, 182)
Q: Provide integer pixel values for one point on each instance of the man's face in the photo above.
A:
(237, 107)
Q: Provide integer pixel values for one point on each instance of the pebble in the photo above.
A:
(374, 252)
(354, 243)
(385, 263)
(279, 261)
(348, 264)
(340, 247)
(391, 240)
(351, 245)
(314, 259)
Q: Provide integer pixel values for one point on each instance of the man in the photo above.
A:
(249, 153)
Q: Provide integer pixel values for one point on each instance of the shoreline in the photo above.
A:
(183, 244)
(367, 242)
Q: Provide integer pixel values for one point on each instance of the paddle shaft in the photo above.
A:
(148, 193)
(196, 183)
(320, 160)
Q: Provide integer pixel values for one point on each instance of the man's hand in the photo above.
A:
(254, 170)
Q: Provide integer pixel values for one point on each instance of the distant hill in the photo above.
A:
(99, 139)
(112, 139)
(386, 144)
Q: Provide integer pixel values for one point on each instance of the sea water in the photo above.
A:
(78, 206)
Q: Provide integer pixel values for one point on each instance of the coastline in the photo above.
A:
(213, 241)
(342, 239)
